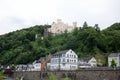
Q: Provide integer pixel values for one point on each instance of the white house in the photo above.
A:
(37, 65)
(115, 57)
(87, 62)
(60, 27)
(64, 60)
(23, 67)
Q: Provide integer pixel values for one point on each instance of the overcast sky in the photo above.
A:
(18, 14)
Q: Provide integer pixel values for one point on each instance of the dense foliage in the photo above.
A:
(1, 75)
(113, 64)
(26, 45)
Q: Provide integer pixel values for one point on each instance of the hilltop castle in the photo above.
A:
(60, 27)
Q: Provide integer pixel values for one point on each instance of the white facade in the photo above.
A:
(92, 62)
(64, 60)
(60, 27)
(37, 66)
(22, 67)
(115, 57)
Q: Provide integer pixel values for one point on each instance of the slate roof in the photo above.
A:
(85, 59)
(61, 52)
(114, 54)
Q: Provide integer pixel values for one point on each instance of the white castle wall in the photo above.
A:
(60, 27)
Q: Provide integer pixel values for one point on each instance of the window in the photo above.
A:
(63, 59)
(75, 61)
(55, 56)
(60, 55)
(74, 56)
(53, 61)
(63, 64)
(67, 55)
(72, 60)
(59, 60)
(56, 60)
(63, 55)
(67, 60)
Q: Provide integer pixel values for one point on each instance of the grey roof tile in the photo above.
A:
(114, 54)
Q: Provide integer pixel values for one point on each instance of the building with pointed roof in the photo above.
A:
(87, 62)
(115, 57)
(64, 60)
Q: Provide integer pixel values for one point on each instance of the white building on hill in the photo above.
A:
(60, 27)
(64, 60)
(115, 57)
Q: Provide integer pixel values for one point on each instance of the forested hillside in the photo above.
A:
(26, 45)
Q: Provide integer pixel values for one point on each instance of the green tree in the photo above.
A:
(52, 77)
(46, 42)
(66, 79)
(75, 31)
(85, 25)
(1, 76)
(71, 43)
(101, 60)
(97, 27)
(13, 67)
(113, 63)
(115, 26)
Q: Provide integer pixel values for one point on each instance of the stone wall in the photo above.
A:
(73, 75)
